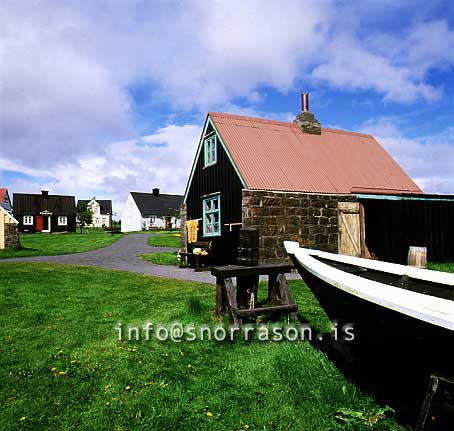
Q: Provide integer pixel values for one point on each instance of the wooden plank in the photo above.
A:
(436, 411)
(231, 301)
(286, 294)
(353, 233)
(348, 207)
(272, 289)
(362, 231)
(277, 309)
(220, 296)
(228, 271)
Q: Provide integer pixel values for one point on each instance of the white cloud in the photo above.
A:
(351, 66)
(126, 166)
(428, 160)
(67, 66)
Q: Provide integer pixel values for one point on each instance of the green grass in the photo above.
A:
(39, 244)
(445, 267)
(165, 240)
(63, 318)
(162, 258)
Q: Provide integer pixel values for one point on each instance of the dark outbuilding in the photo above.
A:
(44, 212)
(328, 189)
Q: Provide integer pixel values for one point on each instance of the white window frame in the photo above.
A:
(211, 211)
(28, 220)
(210, 150)
(62, 221)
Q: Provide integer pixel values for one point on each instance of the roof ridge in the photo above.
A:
(39, 194)
(160, 194)
(283, 123)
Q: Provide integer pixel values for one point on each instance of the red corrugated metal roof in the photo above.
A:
(274, 155)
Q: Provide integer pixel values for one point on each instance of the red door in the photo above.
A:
(39, 223)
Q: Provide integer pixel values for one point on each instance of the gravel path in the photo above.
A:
(122, 255)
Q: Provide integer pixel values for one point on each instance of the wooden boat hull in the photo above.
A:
(392, 352)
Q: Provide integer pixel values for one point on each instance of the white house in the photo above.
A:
(147, 211)
(102, 211)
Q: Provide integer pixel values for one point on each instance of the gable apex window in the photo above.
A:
(212, 216)
(209, 148)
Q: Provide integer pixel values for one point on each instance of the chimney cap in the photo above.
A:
(44, 192)
(156, 191)
(305, 102)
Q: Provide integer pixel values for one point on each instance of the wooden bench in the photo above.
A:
(197, 257)
(239, 305)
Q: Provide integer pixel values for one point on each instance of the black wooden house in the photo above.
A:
(44, 212)
(329, 189)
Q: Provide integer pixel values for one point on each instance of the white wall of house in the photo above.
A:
(131, 219)
(158, 222)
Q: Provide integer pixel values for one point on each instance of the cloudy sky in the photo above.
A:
(99, 98)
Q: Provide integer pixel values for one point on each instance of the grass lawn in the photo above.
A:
(39, 244)
(167, 239)
(445, 267)
(62, 367)
(162, 258)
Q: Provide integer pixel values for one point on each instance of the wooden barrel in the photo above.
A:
(417, 256)
(248, 247)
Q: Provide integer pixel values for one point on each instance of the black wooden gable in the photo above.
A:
(34, 204)
(220, 177)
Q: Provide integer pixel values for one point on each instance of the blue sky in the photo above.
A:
(102, 98)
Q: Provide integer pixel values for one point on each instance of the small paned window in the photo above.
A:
(28, 220)
(210, 151)
(212, 216)
(62, 221)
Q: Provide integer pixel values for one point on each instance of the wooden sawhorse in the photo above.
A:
(247, 278)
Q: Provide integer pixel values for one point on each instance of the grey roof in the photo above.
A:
(162, 205)
(105, 206)
(25, 203)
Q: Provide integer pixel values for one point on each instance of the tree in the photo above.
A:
(84, 216)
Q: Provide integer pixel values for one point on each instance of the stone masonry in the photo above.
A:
(311, 219)
(11, 236)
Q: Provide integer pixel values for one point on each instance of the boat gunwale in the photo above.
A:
(431, 309)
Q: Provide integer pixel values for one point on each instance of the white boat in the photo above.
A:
(402, 317)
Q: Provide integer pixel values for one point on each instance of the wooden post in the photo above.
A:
(285, 293)
(417, 256)
(436, 411)
(272, 288)
(231, 300)
(220, 296)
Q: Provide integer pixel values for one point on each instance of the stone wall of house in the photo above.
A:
(311, 219)
(11, 236)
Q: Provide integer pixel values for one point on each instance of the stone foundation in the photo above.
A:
(310, 219)
(11, 236)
